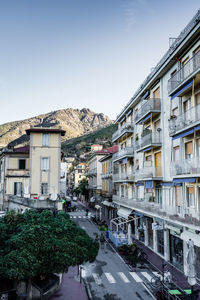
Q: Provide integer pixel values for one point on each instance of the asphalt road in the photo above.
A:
(109, 278)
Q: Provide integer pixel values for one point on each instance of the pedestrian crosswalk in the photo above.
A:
(118, 277)
(80, 217)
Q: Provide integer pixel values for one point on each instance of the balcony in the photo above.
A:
(92, 172)
(152, 106)
(123, 177)
(184, 121)
(152, 139)
(188, 71)
(186, 167)
(17, 173)
(126, 152)
(106, 175)
(148, 171)
(125, 128)
(34, 203)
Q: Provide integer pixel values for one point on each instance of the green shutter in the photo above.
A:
(15, 188)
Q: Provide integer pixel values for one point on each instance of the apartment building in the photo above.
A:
(79, 174)
(156, 171)
(109, 208)
(30, 176)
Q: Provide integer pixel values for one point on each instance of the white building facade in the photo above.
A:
(157, 169)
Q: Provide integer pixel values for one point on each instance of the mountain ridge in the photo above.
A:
(76, 122)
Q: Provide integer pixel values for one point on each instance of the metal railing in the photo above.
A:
(186, 166)
(184, 120)
(123, 152)
(34, 203)
(150, 105)
(185, 72)
(149, 140)
(126, 127)
(17, 172)
(92, 172)
(148, 172)
(124, 176)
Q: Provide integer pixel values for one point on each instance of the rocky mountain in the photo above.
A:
(76, 123)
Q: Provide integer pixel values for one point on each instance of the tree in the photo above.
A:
(82, 188)
(37, 243)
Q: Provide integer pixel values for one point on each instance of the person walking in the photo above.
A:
(102, 240)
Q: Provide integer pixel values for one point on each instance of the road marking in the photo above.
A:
(83, 227)
(84, 217)
(146, 275)
(158, 275)
(136, 277)
(123, 277)
(148, 290)
(97, 278)
(79, 217)
(74, 217)
(110, 278)
(83, 273)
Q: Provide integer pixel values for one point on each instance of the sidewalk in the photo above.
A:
(178, 277)
(70, 288)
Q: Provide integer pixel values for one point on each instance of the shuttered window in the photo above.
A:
(197, 99)
(190, 197)
(188, 150)
(198, 147)
(178, 195)
(176, 153)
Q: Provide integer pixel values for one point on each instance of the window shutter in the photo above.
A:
(188, 148)
(15, 188)
(178, 195)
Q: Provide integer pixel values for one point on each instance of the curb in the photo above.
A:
(87, 289)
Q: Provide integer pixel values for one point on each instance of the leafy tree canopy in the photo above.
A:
(37, 243)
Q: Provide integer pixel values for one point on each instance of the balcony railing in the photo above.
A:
(189, 69)
(92, 172)
(17, 172)
(149, 106)
(34, 203)
(151, 139)
(106, 175)
(185, 120)
(148, 172)
(128, 151)
(123, 177)
(187, 166)
(126, 127)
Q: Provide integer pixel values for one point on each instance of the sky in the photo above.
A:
(57, 54)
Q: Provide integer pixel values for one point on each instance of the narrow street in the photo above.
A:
(109, 277)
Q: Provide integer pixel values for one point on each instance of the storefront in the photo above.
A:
(149, 222)
(176, 251)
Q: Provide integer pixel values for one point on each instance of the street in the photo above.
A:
(109, 277)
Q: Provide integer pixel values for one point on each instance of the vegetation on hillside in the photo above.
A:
(81, 145)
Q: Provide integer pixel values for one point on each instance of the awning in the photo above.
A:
(147, 149)
(107, 203)
(122, 120)
(124, 160)
(97, 206)
(145, 95)
(130, 111)
(145, 118)
(187, 235)
(139, 184)
(124, 212)
(189, 84)
(137, 214)
(148, 184)
(181, 180)
(167, 183)
(197, 127)
(173, 228)
(182, 134)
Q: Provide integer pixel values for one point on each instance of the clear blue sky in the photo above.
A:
(81, 53)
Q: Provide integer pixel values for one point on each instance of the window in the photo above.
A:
(188, 150)
(79, 176)
(79, 171)
(122, 191)
(186, 105)
(45, 139)
(198, 147)
(22, 164)
(18, 188)
(175, 111)
(190, 196)
(156, 125)
(44, 188)
(176, 153)
(156, 93)
(45, 163)
(178, 198)
(197, 99)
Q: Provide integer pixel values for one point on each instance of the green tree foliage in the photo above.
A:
(82, 187)
(34, 243)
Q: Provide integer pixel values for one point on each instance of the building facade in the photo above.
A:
(156, 171)
(33, 172)
(79, 174)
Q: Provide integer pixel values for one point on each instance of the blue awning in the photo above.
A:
(139, 184)
(124, 160)
(189, 84)
(167, 183)
(181, 180)
(145, 95)
(197, 127)
(145, 118)
(130, 111)
(122, 120)
(147, 149)
(137, 214)
(182, 134)
(148, 184)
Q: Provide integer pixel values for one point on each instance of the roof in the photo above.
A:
(24, 149)
(44, 129)
(110, 150)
